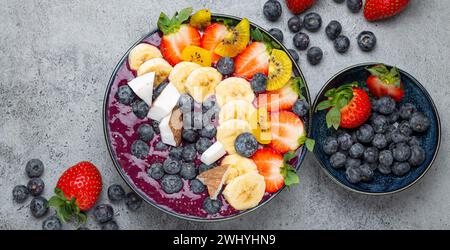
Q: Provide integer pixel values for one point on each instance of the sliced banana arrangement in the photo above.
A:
(245, 191)
(160, 66)
(234, 88)
(142, 53)
(238, 166)
(180, 73)
(202, 82)
(229, 130)
(237, 109)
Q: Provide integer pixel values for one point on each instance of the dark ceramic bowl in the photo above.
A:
(120, 126)
(382, 184)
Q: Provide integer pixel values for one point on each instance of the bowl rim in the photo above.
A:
(132, 186)
(435, 111)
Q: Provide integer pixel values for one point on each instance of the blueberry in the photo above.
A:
(375, 105)
(384, 169)
(202, 144)
(394, 117)
(367, 41)
(116, 193)
(171, 184)
(259, 83)
(190, 135)
(208, 104)
(371, 155)
(333, 30)
(155, 126)
(387, 105)
(419, 122)
(354, 5)
(294, 55)
(379, 141)
(385, 158)
(103, 213)
(406, 110)
(161, 146)
(36, 186)
(366, 172)
(417, 156)
(272, 10)
(171, 166)
(157, 91)
(300, 107)
(301, 41)
(140, 109)
(156, 171)
(125, 95)
(145, 132)
(353, 175)
(352, 163)
(338, 159)
(110, 225)
(405, 128)
(197, 186)
(176, 152)
(396, 136)
(212, 206)
(225, 65)
(133, 201)
(188, 171)
(203, 167)
(401, 168)
(20, 193)
(314, 55)
(140, 149)
(330, 145)
(52, 223)
(341, 44)
(246, 144)
(188, 154)
(277, 34)
(380, 123)
(186, 103)
(208, 132)
(414, 141)
(38, 206)
(401, 152)
(365, 133)
(356, 151)
(345, 141)
(34, 168)
(312, 22)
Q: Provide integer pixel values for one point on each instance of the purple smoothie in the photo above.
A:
(122, 127)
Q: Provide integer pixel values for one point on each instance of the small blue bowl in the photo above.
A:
(381, 184)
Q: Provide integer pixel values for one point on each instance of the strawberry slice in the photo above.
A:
(384, 82)
(287, 131)
(281, 99)
(176, 35)
(254, 59)
(212, 36)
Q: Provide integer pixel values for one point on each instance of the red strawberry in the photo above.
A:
(349, 106)
(254, 59)
(281, 99)
(176, 35)
(287, 130)
(77, 191)
(381, 9)
(298, 6)
(384, 82)
(212, 36)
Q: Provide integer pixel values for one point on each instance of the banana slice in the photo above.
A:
(202, 82)
(160, 66)
(180, 73)
(236, 109)
(238, 166)
(245, 191)
(234, 88)
(142, 53)
(229, 130)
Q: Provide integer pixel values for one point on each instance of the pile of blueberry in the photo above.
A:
(388, 143)
(312, 22)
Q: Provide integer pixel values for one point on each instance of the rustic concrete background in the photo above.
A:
(56, 58)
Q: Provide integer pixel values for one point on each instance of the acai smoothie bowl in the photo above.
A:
(207, 117)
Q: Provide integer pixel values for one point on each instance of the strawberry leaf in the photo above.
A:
(323, 105)
(333, 118)
(310, 144)
(171, 25)
(290, 175)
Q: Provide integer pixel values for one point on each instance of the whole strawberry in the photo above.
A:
(298, 6)
(383, 81)
(381, 9)
(77, 191)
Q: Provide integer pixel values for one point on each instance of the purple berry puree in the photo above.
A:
(122, 127)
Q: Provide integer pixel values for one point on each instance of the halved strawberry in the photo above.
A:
(177, 35)
(287, 131)
(212, 36)
(254, 59)
(384, 82)
(281, 99)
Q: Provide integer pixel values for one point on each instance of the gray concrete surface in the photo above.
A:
(56, 58)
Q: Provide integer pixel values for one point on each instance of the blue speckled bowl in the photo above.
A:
(382, 184)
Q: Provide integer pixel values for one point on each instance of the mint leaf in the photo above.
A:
(289, 156)
(310, 144)
(333, 118)
(164, 23)
(257, 35)
(184, 15)
(227, 22)
(290, 175)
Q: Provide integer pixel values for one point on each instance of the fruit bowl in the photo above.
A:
(382, 184)
(121, 130)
